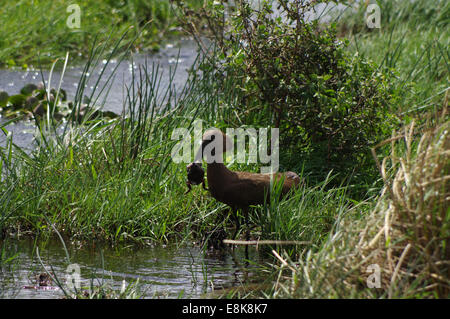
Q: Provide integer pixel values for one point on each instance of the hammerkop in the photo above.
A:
(239, 190)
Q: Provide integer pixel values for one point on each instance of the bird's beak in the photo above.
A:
(199, 156)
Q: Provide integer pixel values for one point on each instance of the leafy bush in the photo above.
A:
(295, 74)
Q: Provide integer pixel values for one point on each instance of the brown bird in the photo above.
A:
(239, 190)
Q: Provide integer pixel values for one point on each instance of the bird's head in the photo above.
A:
(214, 144)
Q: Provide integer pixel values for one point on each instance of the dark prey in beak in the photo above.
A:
(195, 175)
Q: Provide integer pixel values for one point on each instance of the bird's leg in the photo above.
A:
(247, 224)
(247, 230)
(204, 185)
(188, 183)
(237, 225)
(237, 222)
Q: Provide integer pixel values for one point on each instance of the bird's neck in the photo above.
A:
(217, 170)
(218, 176)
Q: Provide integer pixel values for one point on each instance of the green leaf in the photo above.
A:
(94, 173)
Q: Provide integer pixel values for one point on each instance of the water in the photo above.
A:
(180, 55)
(163, 271)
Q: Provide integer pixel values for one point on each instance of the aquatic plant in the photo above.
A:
(34, 102)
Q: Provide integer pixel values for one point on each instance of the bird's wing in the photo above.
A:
(246, 191)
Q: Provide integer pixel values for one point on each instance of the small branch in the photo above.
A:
(283, 262)
(265, 242)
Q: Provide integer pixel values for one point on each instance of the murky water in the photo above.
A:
(163, 272)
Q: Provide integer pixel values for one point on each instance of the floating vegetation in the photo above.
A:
(35, 101)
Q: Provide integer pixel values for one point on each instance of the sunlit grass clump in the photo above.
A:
(38, 32)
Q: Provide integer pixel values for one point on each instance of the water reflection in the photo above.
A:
(163, 271)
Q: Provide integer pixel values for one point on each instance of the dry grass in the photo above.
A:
(415, 253)
(406, 234)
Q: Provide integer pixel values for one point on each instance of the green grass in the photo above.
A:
(115, 180)
(35, 32)
(414, 40)
(111, 180)
(405, 229)
(405, 233)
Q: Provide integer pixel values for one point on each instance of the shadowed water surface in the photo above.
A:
(163, 271)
